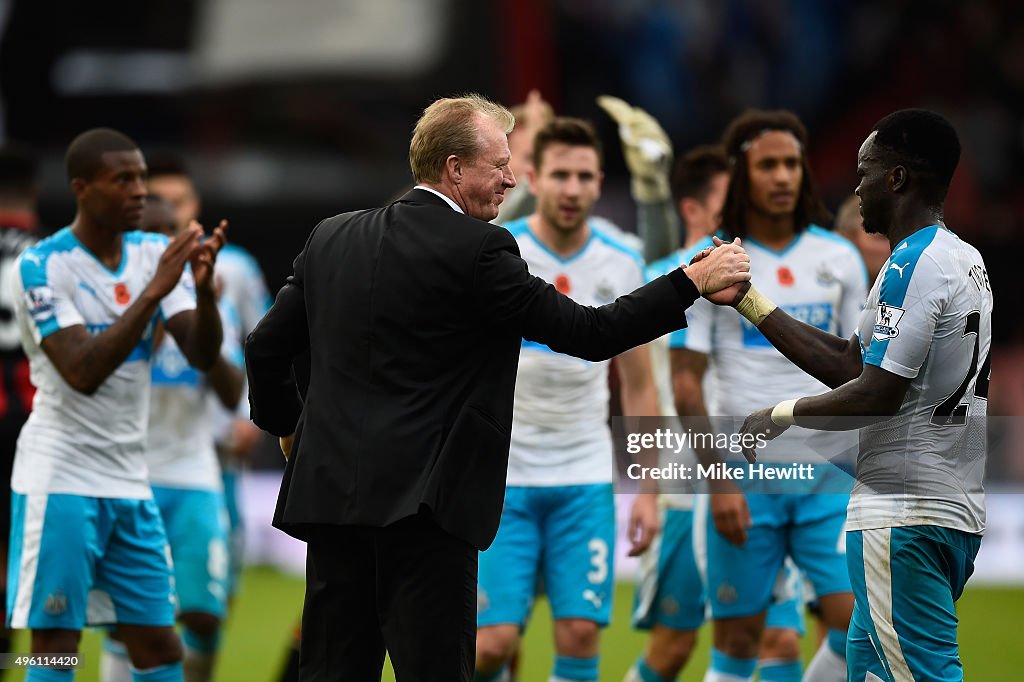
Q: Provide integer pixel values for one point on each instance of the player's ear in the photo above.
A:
(897, 178)
(78, 186)
(531, 177)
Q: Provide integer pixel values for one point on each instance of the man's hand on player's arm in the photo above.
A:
(729, 509)
(874, 396)
(198, 332)
(84, 360)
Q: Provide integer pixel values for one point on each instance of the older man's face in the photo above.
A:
(486, 177)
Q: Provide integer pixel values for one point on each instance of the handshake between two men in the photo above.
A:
(721, 272)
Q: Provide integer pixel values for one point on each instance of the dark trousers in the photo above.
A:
(408, 588)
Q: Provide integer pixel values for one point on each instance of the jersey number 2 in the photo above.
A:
(951, 412)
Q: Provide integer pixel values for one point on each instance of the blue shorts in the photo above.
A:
(77, 561)
(196, 524)
(670, 591)
(905, 582)
(787, 608)
(671, 588)
(236, 530)
(808, 528)
(562, 536)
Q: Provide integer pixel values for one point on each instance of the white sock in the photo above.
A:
(632, 675)
(115, 666)
(715, 676)
(198, 666)
(826, 666)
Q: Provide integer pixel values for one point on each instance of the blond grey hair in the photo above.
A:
(449, 126)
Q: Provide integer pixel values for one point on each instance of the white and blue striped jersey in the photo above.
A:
(560, 433)
(73, 443)
(820, 279)
(928, 319)
(179, 443)
(662, 369)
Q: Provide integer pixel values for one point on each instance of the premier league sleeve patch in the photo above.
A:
(887, 322)
(40, 303)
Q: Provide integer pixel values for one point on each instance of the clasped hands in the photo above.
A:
(721, 272)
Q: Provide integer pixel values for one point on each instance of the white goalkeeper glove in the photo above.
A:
(647, 149)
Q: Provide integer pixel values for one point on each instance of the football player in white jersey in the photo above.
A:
(773, 205)
(87, 543)
(670, 599)
(647, 150)
(244, 291)
(915, 377)
(186, 481)
(558, 522)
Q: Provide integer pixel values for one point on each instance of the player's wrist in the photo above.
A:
(782, 414)
(755, 306)
(151, 296)
(206, 291)
(695, 273)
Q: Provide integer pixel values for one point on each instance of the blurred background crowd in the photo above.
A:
(290, 112)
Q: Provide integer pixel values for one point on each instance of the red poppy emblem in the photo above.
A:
(786, 277)
(562, 284)
(121, 294)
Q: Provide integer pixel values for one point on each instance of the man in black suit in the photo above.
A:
(413, 315)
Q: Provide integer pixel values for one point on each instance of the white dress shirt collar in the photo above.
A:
(455, 207)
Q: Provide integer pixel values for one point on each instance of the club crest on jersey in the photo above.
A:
(121, 294)
(40, 303)
(605, 292)
(887, 320)
(826, 277)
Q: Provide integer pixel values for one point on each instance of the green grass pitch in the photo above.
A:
(270, 602)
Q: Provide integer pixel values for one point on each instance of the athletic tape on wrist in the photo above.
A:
(755, 306)
(782, 414)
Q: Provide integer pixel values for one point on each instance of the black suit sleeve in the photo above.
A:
(508, 294)
(274, 400)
